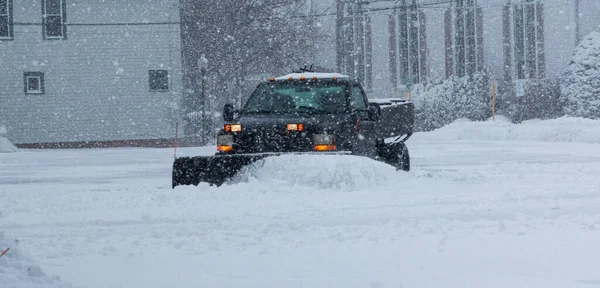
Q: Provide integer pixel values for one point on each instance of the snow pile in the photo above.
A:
(18, 271)
(322, 172)
(581, 84)
(565, 129)
(5, 145)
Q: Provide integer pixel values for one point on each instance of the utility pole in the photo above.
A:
(349, 38)
(577, 23)
(359, 31)
(339, 35)
(203, 66)
(313, 24)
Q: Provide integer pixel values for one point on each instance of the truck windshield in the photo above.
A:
(299, 97)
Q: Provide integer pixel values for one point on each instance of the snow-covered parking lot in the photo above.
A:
(481, 208)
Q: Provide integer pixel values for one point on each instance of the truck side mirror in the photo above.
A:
(374, 112)
(228, 113)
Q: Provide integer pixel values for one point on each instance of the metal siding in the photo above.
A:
(96, 82)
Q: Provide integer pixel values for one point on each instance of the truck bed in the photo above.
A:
(397, 117)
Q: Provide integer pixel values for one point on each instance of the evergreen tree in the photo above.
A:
(456, 97)
(581, 82)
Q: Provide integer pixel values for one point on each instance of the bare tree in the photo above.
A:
(243, 40)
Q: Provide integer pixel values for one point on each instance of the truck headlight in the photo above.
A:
(323, 142)
(225, 143)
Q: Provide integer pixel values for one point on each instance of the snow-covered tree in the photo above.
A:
(454, 98)
(581, 81)
(245, 41)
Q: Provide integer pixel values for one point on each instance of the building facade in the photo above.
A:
(76, 72)
(424, 41)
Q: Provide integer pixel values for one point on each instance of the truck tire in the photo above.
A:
(403, 158)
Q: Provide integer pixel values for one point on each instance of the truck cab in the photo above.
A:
(303, 112)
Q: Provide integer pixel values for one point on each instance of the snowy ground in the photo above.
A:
(472, 213)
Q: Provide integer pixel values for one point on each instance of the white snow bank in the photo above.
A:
(565, 129)
(18, 271)
(322, 172)
(6, 146)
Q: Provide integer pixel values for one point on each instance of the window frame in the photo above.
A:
(32, 75)
(154, 72)
(464, 38)
(412, 49)
(528, 40)
(9, 23)
(63, 20)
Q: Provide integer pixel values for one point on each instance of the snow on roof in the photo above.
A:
(310, 75)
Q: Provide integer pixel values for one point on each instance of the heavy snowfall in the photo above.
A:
(503, 188)
(487, 204)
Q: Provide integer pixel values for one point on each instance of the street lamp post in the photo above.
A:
(203, 66)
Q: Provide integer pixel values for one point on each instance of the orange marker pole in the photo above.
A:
(4, 252)
(493, 101)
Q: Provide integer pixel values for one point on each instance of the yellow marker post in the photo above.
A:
(493, 101)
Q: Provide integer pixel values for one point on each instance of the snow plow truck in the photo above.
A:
(303, 113)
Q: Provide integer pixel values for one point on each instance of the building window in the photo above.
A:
(54, 17)
(6, 20)
(529, 40)
(523, 29)
(34, 82)
(412, 43)
(464, 38)
(159, 80)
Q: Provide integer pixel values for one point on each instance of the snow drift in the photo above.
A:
(6, 146)
(565, 129)
(322, 172)
(18, 271)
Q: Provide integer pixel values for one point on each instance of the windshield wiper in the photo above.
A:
(267, 112)
(311, 109)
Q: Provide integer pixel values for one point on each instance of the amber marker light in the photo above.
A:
(302, 78)
(272, 79)
(233, 128)
(295, 127)
(225, 148)
(325, 147)
(315, 78)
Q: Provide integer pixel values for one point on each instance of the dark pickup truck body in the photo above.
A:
(342, 121)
